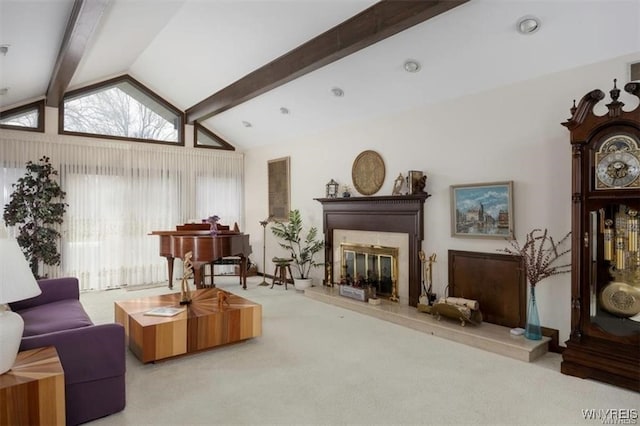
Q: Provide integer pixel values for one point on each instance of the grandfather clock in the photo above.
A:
(605, 276)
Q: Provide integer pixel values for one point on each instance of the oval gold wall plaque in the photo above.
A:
(368, 172)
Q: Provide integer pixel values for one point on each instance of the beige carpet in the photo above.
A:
(319, 364)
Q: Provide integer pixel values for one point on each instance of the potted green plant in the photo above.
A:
(302, 251)
(36, 206)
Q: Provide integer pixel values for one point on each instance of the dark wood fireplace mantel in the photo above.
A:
(393, 213)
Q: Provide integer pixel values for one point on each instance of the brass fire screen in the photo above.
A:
(369, 266)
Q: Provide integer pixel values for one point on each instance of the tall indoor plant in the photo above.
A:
(36, 206)
(540, 253)
(302, 251)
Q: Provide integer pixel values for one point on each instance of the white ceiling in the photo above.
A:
(186, 50)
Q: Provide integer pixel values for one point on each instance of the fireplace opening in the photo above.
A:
(370, 266)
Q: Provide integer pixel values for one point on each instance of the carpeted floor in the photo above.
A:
(320, 364)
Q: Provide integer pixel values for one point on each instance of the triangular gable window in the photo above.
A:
(27, 117)
(205, 138)
(122, 108)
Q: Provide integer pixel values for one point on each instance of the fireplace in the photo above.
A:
(398, 214)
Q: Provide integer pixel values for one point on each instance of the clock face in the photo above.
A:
(618, 164)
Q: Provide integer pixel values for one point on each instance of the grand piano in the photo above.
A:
(206, 248)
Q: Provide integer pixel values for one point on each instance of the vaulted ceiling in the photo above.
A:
(191, 51)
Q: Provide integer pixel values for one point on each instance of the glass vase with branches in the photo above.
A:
(541, 255)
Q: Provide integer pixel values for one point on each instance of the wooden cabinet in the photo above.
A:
(605, 296)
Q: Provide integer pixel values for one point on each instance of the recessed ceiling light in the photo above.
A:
(528, 24)
(337, 92)
(411, 65)
(246, 124)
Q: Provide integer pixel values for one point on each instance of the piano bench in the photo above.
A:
(234, 261)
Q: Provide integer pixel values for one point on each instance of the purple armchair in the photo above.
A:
(92, 356)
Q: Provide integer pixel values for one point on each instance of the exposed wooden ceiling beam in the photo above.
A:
(83, 21)
(382, 20)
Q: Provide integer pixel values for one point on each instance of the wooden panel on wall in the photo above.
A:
(496, 281)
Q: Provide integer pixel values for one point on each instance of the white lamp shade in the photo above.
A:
(16, 279)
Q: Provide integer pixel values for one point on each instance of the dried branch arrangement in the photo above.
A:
(540, 253)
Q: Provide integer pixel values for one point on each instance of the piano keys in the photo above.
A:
(206, 248)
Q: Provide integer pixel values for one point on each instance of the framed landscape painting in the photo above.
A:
(482, 210)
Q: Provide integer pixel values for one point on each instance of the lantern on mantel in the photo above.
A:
(332, 189)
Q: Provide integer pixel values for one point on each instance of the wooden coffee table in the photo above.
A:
(201, 326)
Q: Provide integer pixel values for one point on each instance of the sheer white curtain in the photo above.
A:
(118, 192)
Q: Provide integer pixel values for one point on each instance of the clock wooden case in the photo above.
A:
(605, 278)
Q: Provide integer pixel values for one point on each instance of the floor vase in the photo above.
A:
(533, 331)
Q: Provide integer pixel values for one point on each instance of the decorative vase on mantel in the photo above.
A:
(532, 330)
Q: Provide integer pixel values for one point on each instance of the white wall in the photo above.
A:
(510, 133)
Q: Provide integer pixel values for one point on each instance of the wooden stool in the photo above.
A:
(280, 274)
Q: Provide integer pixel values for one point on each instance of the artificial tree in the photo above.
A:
(36, 206)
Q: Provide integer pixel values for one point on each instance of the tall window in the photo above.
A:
(122, 108)
(118, 193)
(9, 175)
(111, 211)
(27, 117)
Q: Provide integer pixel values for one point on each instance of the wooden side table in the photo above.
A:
(32, 392)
